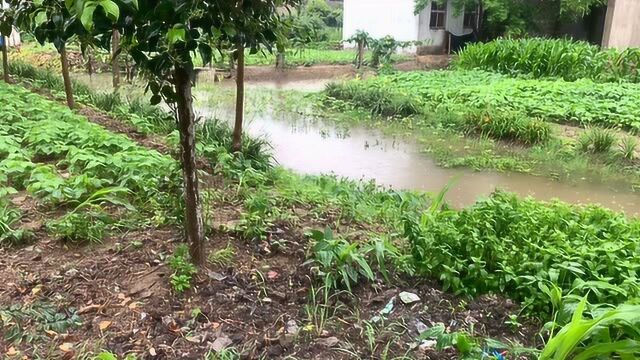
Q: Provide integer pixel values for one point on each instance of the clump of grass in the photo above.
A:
(597, 140)
(509, 126)
(224, 257)
(627, 147)
(377, 99)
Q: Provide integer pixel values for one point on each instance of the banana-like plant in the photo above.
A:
(616, 331)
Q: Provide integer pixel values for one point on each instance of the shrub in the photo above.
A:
(560, 58)
(508, 245)
(509, 126)
(597, 140)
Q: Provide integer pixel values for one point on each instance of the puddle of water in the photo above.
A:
(310, 146)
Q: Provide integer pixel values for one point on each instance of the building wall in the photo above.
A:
(381, 18)
(622, 25)
(435, 41)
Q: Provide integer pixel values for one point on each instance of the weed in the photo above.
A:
(509, 126)
(9, 236)
(29, 322)
(340, 262)
(627, 147)
(224, 354)
(183, 269)
(224, 257)
(597, 140)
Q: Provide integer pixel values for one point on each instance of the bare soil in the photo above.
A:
(258, 304)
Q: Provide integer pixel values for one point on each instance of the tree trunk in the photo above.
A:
(89, 62)
(280, 60)
(360, 54)
(115, 65)
(237, 129)
(65, 76)
(5, 58)
(183, 77)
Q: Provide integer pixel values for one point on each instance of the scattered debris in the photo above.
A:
(408, 298)
(328, 342)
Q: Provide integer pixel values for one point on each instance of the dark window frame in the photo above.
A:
(470, 20)
(438, 16)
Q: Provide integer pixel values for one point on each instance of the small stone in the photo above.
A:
(409, 298)
(216, 276)
(221, 343)
(292, 327)
(328, 342)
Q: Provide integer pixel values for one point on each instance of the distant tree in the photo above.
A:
(362, 40)
(164, 34)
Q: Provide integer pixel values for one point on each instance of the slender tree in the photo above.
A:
(237, 128)
(50, 21)
(6, 26)
(163, 35)
(115, 62)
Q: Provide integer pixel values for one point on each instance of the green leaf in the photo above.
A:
(40, 18)
(87, 16)
(111, 9)
(176, 34)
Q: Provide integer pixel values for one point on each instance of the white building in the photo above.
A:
(396, 18)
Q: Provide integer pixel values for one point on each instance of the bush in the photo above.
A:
(512, 246)
(509, 126)
(560, 58)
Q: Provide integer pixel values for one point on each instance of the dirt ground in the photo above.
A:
(262, 303)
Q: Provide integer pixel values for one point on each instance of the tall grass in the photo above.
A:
(558, 58)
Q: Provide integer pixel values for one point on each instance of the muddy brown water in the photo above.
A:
(312, 146)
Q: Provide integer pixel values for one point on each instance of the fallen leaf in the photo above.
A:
(66, 347)
(51, 333)
(36, 290)
(12, 351)
(152, 352)
(104, 325)
(133, 305)
(272, 275)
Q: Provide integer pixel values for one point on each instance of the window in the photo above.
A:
(470, 18)
(438, 15)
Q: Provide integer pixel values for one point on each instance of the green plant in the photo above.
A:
(508, 126)
(339, 262)
(29, 322)
(463, 91)
(505, 244)
(9, 216)
(613, 333)
(223, 257)
(183, 269)
(557, 58)
(597, 140)
(224, 354)
(627, 147)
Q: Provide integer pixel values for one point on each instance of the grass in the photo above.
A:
(552, 58)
